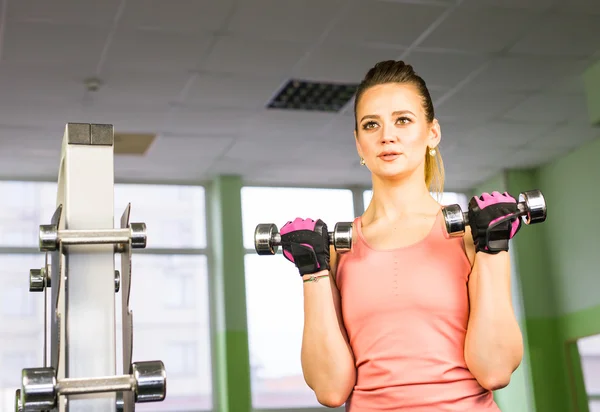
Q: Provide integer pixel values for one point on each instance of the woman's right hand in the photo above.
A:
(305, 242)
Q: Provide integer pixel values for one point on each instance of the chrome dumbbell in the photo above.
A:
(40, 389)
(267, 238)
(39, 280)
(50, 237)
(531, 209)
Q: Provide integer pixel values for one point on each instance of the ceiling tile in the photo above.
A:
(69, 12)
(579, 6)
(297, 21)
(36, 43)
(444, 69)
(244, 167)
(126, 86)
(245, 91)
(176, 15)
(165, 171)
(153, 50)
(538, 5)
(385, 22)
(483, 30)
(549, 108)
(148, 117)
(341, 63)
(189, 148)
(561, 35)
(524, 74)
(566, 136)
(534, 156)
(42, 81)
(478, 106)
(453, 132)
(497, 134)
(35, 113)
(476, 154)
(274, 122)
(220, 121)
(172, 68)
(241, 55)
(29, 141)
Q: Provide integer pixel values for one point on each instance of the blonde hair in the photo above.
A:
(396, 71)
(434, 173)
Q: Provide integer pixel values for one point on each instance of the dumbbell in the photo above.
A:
(531, 209)
(40, 388)
(267, 238)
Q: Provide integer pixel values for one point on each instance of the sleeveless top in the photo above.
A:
(406, 312)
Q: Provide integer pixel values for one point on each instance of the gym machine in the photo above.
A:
(80, 244)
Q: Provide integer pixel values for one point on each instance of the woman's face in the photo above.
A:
(393, 134)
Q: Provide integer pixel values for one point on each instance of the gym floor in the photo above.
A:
(205, 150)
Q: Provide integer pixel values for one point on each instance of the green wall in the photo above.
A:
(556, 281)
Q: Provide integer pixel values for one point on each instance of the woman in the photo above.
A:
(408, 320)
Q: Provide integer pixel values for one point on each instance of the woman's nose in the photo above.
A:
(388, 135)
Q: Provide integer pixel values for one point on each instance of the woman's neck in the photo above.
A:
(396, 199)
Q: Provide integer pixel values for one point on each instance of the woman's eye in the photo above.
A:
(369, 125)
(404, 120)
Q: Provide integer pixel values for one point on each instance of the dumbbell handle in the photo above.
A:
(276, 238)
(521, 207)
(82, 386)
(49, 236)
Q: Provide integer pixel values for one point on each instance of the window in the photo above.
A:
(23, 207)
(169, 295)
(589, 353)
(447, 198)
(21, 321)
(274, 292)
(175, 216)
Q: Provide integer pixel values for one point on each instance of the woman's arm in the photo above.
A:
(327, 359)
(494, 344)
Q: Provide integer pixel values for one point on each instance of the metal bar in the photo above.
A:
(91, 237)
(106, 384)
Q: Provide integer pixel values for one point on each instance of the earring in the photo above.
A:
(432, 152)
(362, 161)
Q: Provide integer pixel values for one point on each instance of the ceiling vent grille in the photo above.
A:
(313, 96)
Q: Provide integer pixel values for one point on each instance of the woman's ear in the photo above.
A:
(358, 149)
(435, 134)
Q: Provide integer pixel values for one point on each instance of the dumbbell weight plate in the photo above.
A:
(536, 206)
(38, 390)
(151, 381)
(454, 219)
(263, 239)
(342, 236)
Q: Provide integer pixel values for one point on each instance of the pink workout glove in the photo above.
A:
(305, 242)
(491, 223)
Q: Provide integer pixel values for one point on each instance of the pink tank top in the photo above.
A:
(406, 312)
